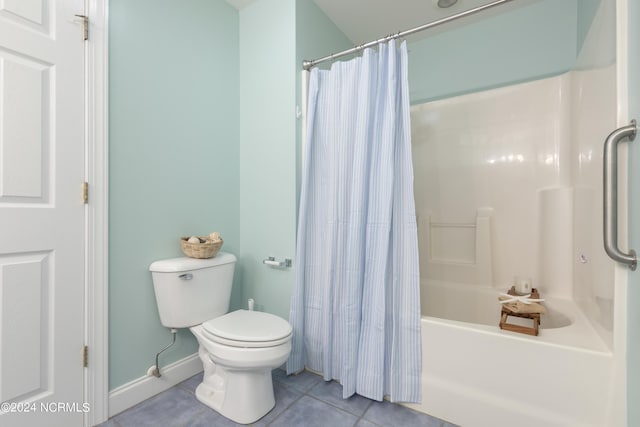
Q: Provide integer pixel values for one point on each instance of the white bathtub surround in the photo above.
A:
(506, 187)
(355, 309)
(555, 244)
(537, 164)
(531, 152)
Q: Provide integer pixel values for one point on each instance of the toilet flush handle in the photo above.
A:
(186, 276)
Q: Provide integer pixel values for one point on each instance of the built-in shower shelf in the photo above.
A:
(458, 251)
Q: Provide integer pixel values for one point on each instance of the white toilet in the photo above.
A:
(238, 349)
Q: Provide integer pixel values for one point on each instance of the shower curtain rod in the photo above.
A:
(306, 65)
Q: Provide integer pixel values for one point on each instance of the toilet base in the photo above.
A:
(237, 381)
(243, 397)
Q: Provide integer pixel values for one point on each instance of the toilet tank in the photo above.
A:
(190, 291)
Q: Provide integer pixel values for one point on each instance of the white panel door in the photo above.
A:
(41, 213)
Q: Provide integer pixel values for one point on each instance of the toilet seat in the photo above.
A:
(243, 328)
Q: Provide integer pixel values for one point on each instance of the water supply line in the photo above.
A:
(155, 369)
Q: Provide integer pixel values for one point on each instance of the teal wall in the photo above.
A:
(195, 87)
(268, 151)
(535, 41)
(174, 158)
(586, 12)
(274, 37)
(633, 296)
(316, 36)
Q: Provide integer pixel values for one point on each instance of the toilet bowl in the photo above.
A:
(238, 363)
(238, 349)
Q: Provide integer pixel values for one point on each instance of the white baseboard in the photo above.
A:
(134, 392)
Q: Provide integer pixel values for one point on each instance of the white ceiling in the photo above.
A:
(365, 20)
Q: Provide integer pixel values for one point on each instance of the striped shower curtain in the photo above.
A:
(355, 309)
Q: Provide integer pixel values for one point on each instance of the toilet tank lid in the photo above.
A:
(175, 265)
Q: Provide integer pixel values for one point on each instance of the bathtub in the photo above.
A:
(476, 375)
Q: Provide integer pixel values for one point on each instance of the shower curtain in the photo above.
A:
(355, 309)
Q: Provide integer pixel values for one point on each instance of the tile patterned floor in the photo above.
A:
(301, 400)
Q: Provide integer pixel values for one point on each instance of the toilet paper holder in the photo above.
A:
(271, 261)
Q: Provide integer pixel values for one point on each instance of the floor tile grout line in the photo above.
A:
(332, 405)
(343, 409)
(196, 415)
(338, 407)
(369, 421)
(284, 410)
(298, 389)
(303, 394)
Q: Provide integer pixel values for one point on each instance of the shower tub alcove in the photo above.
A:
(509, 188)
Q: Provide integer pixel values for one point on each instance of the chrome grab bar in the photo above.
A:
(610, 194)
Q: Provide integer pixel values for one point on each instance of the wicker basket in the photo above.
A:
(205, 249)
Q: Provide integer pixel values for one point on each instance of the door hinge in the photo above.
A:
(85, 356)
(85, 192)
(85, 26)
